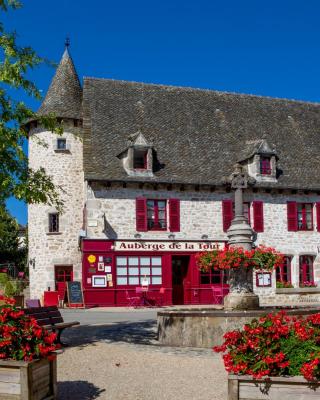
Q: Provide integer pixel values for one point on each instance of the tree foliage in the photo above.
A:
(12, 250)
(16, 178)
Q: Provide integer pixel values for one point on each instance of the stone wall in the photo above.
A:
(51, 249)
(111, 214)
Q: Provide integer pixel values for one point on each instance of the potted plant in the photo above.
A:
(284, 285)
(308, 284)
(28, 368)
(273, 356)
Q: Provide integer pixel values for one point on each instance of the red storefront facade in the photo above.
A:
(112, 270)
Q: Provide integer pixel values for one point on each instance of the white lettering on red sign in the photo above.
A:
(167, 246)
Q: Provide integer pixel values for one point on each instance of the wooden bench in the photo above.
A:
(50, 318)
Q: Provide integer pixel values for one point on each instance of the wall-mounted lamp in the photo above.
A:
(171, 236)
(137, 235)
(204, 237)
(32, 263)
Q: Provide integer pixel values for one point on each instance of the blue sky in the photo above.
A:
(268, 48)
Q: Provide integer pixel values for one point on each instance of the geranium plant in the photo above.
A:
(307, 284)
(274, 345)
(21, 338)
(262, 258)
(284, 285)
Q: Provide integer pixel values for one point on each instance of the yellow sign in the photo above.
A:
(92, 258)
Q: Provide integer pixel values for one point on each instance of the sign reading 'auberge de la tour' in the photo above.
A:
(167, 246)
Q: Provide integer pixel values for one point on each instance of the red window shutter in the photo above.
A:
(258, 223)
(174, 215)
(141, 214)
(318, 216)
(227, 214)
(292, 216)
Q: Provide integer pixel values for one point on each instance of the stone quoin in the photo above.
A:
(144, 176)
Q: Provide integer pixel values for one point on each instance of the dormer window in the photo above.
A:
(261, 159)
(137, 158)
(265, 165)
(140, 159)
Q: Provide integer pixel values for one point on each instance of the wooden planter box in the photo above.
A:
(33, 380)
(243, 387)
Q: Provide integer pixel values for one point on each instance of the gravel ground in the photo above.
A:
(123, 361)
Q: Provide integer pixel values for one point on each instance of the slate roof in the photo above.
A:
(64, 96)
(198, 135)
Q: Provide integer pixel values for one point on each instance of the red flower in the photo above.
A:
(271, 346)
(21, 338)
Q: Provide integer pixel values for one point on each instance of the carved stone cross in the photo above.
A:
(239, 180)
(240, 234)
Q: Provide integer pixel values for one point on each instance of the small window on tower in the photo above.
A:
(265, 166)
(61, 144)
(53, 222)
(140, 159)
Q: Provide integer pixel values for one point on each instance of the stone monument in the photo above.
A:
(240, 234)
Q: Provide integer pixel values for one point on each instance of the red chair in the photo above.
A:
(217, 294)
(133, 301)
(162, 292)
(144, 299)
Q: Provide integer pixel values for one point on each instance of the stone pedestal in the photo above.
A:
(241, 301)
(240, 234)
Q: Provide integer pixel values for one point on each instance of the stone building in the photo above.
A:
(143, 170)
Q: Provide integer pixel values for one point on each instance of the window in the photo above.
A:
(63, 273)
(99, 281)
(140, 159)
(213, 277)
(265, 166)
(61, 144)
(300, 216)
(156, 215)
(133, 270)
(153, 215)
(305, 269)
(305, 220)
(283, 272)
(53, 222)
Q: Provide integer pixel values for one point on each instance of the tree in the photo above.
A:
(16, 179)
(12, 251)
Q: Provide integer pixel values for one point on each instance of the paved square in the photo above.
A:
(117, 357)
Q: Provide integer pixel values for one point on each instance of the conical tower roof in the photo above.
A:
(64, 96)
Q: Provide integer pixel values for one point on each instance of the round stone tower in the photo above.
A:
(54, 237)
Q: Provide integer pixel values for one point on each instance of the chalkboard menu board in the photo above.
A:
(75, 295)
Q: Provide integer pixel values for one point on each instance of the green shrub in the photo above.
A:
(3, 280)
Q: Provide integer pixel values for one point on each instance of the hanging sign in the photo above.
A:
(263, 279)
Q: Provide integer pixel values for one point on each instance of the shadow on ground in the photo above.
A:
(78, 390)
(144, 333)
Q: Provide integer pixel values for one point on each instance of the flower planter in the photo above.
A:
(32, 380)
(244, 387)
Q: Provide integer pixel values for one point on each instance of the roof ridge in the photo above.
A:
(190, 88)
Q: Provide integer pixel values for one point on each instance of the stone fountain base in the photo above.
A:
(241, 301)
(206, 327)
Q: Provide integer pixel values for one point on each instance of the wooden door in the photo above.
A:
(180, 265)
